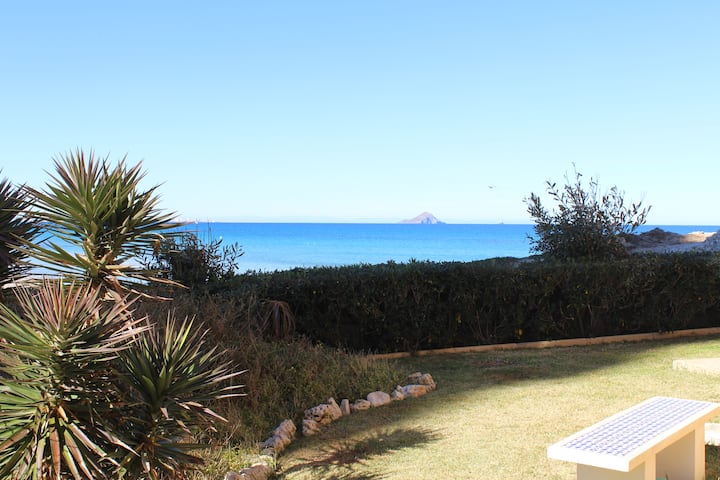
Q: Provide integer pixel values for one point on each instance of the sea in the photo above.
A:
(269, 247)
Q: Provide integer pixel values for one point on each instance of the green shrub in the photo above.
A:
(16, 227)
(586, 224)
(425, 305)
(57, 390)
(173, 375)
(90, 391)
(284, 377)
(105, 219)
(198, 264)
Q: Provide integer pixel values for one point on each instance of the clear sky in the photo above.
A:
(371, 110)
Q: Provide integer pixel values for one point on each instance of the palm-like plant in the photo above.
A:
(86, 391)
(57, 395)
(173, 375)
(15, 227)
(101, 213)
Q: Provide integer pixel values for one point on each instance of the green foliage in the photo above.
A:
(86, 389)
(283, 378)
(89, 391)
(57, 392)
(174, 375)
(16, 227)
(425, 305)
(586, 224)
(101, 212)
(199, 265)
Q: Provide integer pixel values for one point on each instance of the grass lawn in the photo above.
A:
(494, 414)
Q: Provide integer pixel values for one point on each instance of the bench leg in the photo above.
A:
(684, 459)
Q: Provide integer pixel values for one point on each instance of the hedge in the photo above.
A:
(424, 305)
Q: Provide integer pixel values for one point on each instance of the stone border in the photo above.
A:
(319, 416)
(573, 342)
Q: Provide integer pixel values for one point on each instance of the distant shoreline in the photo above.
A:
(286, 245)
(677, 228)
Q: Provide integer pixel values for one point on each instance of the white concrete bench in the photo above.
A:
(659, 438)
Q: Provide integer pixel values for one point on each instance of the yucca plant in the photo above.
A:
(174, 375)
(15, 227)
(104, 219)
(58, 390)
(86, 390)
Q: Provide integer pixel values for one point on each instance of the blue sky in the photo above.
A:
(371, 111)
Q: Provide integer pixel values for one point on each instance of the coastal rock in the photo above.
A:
(713, 241)
(259, 471)
(272, 443)
(360, 405)
(282, 437)
(310, 427)
(413, 378)
(415, 390)
(345, 406)
(425, 218)
(658, 240)
(333, 409)
(321, 414)
(397, 394)
(287, 427)
(378, 399)
(426, 379)
(324, 413)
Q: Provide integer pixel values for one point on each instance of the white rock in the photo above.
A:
(286, 427)
(277, 443)
(317, 412)
(713, 241)
(260, 471)
(282, 437)
(398, 394)
(270, 442)
(310, 427)
(378, 399)
(333, 409)
(426, 379)
(416, 390)
(360, 405)
(345, 406)
(413, 378)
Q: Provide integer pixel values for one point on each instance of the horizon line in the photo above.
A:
(400, 222)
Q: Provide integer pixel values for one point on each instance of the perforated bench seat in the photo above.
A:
(661, 437)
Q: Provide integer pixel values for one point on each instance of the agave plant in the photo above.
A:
(15, 227)
(173, 377)
(100, 221)
(57, 390)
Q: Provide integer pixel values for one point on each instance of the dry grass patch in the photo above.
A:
(494, 414)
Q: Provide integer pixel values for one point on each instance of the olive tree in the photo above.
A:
(586, 223)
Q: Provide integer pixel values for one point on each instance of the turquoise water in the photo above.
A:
(282, 246)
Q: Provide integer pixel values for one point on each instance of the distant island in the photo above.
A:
(425, 218)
